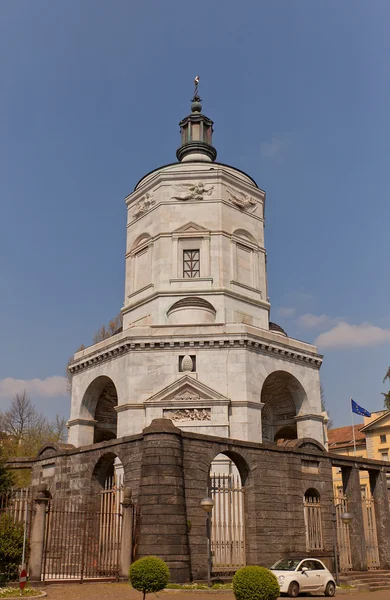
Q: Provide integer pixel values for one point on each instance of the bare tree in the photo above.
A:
(21, 417)
(25, 430)
(58, 429)
(106, 331)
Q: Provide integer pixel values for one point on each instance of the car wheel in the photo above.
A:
(330, 589)
(293, 589)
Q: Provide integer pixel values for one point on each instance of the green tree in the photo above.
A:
(149, 575)
(11, 547)
(386, 402)
(6, 478)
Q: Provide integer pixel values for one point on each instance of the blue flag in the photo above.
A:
(359, 410)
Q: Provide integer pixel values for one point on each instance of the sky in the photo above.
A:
(91, 93)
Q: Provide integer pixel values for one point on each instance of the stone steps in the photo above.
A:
(367, 580)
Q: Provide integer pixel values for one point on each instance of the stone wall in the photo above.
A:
(167, 471)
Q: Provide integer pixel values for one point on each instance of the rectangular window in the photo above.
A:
(191, 263)
(383, 439)
(385, 456)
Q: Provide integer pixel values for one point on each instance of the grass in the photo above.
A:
(10, 592)
(198, 586)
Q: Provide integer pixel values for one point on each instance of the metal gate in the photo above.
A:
(80, 543)
(370, 534)
(313, 522)
(227, 524)
(343, 540)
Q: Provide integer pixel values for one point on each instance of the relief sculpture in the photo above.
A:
(143, 205)
(194, 191)
(188, 414)
(241, 200)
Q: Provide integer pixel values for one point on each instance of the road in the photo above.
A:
(122, 591)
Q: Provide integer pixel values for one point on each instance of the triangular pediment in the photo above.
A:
(190, 227)
(187, 391)
(381, 421)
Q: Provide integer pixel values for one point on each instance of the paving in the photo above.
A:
(122, 591)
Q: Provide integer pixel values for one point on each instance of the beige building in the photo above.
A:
(372, 439)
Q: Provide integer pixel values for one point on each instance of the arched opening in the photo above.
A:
(107, 488)
(313, 520)
(228, 473)
(282, 396)
(99, 403)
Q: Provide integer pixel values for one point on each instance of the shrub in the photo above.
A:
(11, 547)
(149, 574)
(255, 583)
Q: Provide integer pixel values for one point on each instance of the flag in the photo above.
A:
(359, 410)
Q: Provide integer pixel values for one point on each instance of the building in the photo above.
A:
(197, 373)
(197, 345)
(372, 440)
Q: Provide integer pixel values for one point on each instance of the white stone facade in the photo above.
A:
(198, 349)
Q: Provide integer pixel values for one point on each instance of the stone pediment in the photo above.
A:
(187, 391)
(191, 227)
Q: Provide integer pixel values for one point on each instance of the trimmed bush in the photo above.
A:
(11, 548)
(149, 574)
(255, 583)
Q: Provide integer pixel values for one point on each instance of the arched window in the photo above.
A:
(226, 486)
(313, 520)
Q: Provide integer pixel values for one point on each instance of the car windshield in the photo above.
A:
(285, 565)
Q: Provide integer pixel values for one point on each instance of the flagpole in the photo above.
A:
(353, 429)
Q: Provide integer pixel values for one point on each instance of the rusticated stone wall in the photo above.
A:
(167, 472)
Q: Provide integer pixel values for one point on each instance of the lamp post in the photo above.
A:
(207, 505)
(346, 519)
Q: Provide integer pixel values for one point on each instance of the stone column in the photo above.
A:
(163, 520)
(126, 534)
(351, 485)
(378, 484)
(37, 540)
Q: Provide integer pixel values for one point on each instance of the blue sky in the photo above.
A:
(91, 94)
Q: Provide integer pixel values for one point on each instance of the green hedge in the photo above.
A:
(255, 583)
(149, 574)
(11, 548)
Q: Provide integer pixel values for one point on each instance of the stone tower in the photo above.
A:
(196, 345)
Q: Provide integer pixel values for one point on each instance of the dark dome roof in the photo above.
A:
(277, 328)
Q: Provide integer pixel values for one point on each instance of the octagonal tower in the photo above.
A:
(197, 346)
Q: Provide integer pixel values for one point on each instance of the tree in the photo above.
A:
(21, 418)
(386, 402)
(6, 478)
(105, 332)
(25, 430)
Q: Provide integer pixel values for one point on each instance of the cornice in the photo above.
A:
(207, 291)
(206, 342)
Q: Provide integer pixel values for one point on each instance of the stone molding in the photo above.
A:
(88, 422)
(126, 346)
(310, 417)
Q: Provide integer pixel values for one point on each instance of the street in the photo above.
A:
(122, 591)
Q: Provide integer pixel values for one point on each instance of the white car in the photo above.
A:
(303, 575)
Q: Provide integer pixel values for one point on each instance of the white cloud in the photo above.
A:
(269, 149)
(50, 387)
(286, 311)
(344, 335)
(310, 320)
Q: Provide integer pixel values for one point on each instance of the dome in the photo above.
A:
(277, 329)
(191, 310)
